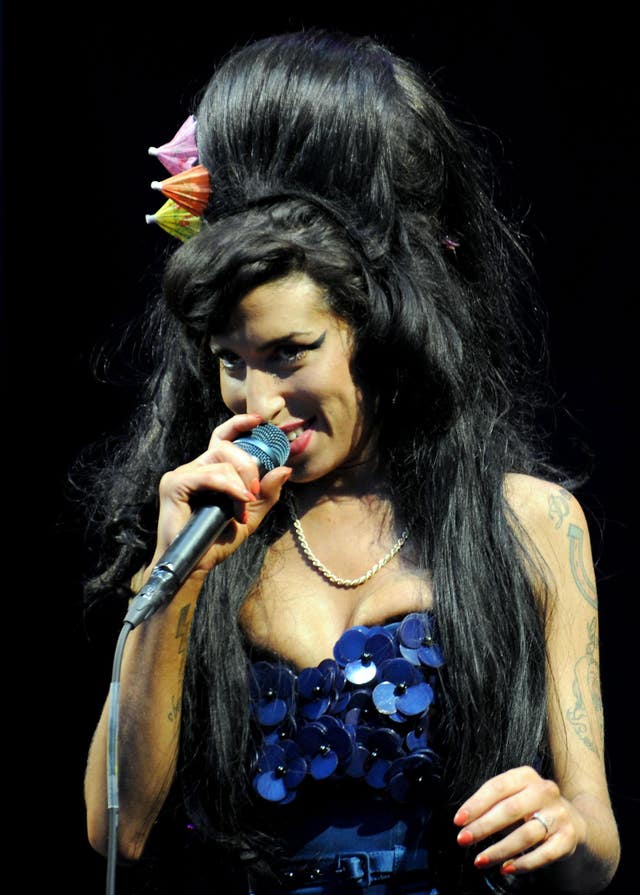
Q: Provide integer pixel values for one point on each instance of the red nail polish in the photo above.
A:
(461, 817)
(255, 486)
(465, 837)
(482, 861)
(508, 867)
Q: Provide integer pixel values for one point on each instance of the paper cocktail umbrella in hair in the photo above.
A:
(180, 152)
(190, 188)
(176, 220)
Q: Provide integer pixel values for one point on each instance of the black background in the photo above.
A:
(85, 94)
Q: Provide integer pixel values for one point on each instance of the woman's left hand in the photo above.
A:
(540, 826)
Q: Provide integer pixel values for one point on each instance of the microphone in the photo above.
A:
(270, 448)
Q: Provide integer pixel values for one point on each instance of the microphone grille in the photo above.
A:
(267, 444)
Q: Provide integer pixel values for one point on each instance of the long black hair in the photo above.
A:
(331, 156)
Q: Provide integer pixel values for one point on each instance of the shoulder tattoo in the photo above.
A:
(559, 507)
(576, 559)
(585, 716)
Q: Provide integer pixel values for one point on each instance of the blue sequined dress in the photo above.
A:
(345, 763)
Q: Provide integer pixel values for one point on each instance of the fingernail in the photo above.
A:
(255, 486)
(481, 861)
(508, 867)
(465, 837)
(249, 495)
(462, 816)
(245, 517)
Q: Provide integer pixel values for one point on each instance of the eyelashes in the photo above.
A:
(282, 354)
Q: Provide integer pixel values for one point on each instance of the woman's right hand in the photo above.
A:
(227, 469)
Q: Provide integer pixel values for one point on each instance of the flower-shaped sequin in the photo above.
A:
(326, 745)
(402, 693)
(321, 689)
(360, 709)
(366, 713)
(286, 730)
(272, 690)
(280, 770)
(376, 750)
(413, 777)
(416, 641)
(360, 651)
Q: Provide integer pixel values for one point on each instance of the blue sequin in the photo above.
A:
(365, 714)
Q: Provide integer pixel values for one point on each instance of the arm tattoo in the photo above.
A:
(586, 716)
(559, 507)
(182, 636)
(584, 584)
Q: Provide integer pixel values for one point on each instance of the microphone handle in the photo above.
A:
(204, 527)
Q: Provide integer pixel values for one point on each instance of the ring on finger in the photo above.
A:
(547, 824)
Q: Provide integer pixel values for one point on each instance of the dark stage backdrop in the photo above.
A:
(85, 94)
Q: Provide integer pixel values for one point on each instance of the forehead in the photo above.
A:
(294, 303)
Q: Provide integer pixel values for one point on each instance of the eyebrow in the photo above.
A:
(294, 334)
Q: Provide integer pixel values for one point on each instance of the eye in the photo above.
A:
(290, 353)
(228, 359)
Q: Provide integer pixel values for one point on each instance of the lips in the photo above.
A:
(298, 435)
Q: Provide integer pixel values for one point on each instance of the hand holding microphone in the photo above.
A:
(197, 505)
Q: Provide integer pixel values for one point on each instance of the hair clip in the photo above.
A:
(181, 151)
(450, 244)
(190, 188)
(187, 190)
(177, 221)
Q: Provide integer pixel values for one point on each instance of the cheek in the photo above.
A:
(230, 394)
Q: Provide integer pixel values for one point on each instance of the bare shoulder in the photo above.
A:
(556, 535)
(540, 505)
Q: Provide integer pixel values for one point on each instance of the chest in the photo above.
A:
(297, 614)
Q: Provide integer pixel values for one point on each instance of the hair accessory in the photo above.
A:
(176, 220)
(181, 151)
(187, 190)
(450, 244)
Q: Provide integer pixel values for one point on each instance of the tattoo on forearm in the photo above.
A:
(586, 716)
(182, 631)
(576, 558)
(559, 507)
(174, 714)
(182, 636)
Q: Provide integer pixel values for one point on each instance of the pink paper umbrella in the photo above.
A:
(181, 152)
(189, 188)
(175, 220)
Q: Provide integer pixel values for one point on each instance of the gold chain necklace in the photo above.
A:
(325, 572)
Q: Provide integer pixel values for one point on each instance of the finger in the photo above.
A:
(495, 790)
(270, 490)
(528, 835)
(511, 811)
(559, 845)
(244, 464)
(181, 485)
(234, 427)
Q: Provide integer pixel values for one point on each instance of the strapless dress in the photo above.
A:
(345, 762)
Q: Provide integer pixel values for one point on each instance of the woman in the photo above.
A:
(384, 676)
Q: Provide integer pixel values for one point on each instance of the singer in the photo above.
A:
(382, 675)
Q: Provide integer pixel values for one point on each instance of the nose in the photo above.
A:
(263, 394)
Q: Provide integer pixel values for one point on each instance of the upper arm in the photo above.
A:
(556, 527)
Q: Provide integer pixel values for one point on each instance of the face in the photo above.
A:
(286, 356)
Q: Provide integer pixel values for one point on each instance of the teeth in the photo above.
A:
(295, 433)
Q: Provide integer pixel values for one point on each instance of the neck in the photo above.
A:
(360, 483)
